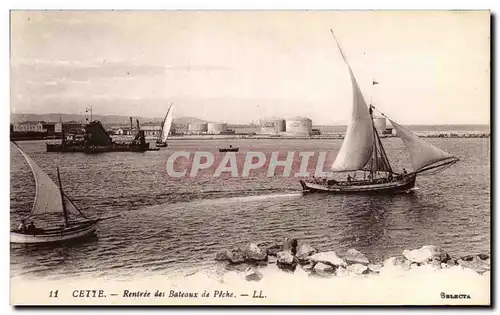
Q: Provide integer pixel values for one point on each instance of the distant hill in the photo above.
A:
(105, 119)
(187, 120)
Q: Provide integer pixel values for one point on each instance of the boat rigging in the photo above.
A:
(166, 125)
(50, 202)
(362, 150)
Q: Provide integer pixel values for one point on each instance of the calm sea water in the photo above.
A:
(170, 224)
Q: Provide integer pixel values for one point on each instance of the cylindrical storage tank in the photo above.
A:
(280, 125)
(388, 128)
(299, 126)
(216, 128)
(197, 127)
(272, 126)
(380, 123)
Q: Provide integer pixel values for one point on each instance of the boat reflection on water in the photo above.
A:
(376, 224)
(27, 248)
(48, 256)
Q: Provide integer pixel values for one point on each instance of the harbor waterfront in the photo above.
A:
(252, 157)
(181, 223)
(324, 137)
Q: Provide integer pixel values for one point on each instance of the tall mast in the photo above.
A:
(374, 148)
(374, 164)
(377, 143)
(65, 211)
(379, 160)
(383, 154)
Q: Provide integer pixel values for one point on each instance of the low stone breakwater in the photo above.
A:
(290, 254)
(334, 136)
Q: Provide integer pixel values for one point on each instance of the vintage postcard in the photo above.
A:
(250, 158)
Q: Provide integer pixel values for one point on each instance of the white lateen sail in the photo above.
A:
(167, 124)
(48, 194)
(357, 146)
(424, 156)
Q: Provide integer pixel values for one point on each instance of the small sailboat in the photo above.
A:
(362, 151)
(166, 125)
(59, 217)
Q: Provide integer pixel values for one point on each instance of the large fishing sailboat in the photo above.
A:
(161, 141)
(362, 151)
(57, 217)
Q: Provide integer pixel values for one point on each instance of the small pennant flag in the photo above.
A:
(375, 83)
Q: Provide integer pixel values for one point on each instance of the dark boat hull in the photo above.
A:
(229, 150)
(56, 235)
(394, 186)
(99, 149)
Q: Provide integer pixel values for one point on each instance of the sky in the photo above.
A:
(242, 66)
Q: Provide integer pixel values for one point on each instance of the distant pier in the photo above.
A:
(335, 136)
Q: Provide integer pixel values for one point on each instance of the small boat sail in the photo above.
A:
(229, 149)
(363, 151)
(57, 217)
(161, 141)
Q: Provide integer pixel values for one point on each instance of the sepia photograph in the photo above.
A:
(240, 157)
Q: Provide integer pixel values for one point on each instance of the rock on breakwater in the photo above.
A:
(290, 253)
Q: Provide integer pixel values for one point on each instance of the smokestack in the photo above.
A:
(131, 124)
